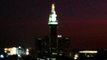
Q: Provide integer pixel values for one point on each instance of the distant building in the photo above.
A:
(54, 44)
(19, 51)
(86, 54)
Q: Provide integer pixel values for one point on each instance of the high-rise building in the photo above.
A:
(54, 44)
(53, 23)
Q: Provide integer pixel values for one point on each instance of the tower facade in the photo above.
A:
(53, 25)
(53, 45)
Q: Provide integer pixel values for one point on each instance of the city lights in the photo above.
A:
(27, 51)
(76, 56)
(1, 56)
(59, 36)
(79, 32)
(11, 51)
(88, 51)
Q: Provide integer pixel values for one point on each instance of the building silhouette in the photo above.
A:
(53, 45)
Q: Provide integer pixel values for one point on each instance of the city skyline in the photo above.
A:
(83, 21)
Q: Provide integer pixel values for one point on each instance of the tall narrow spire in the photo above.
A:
(53, 8)
(52, 16)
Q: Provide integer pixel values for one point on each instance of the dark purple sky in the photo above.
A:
(84, 21)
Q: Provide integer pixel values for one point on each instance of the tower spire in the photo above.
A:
(52, 16)
(53, 8)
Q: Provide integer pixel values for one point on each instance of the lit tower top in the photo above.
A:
(52, 16)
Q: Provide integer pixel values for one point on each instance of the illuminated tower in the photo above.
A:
(53, 45)
(53, 23)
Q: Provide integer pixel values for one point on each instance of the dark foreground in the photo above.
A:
(14, 57)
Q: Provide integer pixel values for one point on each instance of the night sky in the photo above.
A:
(84, 21)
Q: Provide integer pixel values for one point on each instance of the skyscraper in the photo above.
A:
(53, 23)
(53, 45)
